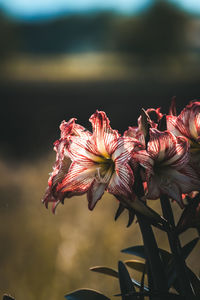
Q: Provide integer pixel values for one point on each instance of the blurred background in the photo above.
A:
(62, 59)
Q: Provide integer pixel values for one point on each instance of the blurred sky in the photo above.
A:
(37, 9)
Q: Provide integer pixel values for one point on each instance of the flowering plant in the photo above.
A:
(157, 159)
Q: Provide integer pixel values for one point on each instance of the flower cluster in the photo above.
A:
(163, 149)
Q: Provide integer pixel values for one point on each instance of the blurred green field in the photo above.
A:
(44, 256)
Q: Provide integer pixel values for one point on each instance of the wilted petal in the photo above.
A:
(61, 165)
(51, 196)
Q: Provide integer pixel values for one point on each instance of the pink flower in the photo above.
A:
(188, 125)
(137, 132)
(63, 161)
(166, 167)
(99, 162)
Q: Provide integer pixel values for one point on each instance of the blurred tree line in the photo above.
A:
(9, 37)
(154, 34)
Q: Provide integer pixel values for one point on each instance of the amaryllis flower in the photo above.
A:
(63, 161)
(166, 167)
(99, 162)
(152, 116)
(188, 125)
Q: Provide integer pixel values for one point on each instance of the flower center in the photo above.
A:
(105, 169)
(194, 146)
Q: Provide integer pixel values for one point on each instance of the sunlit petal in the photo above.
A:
(102, 132)
(78, 179)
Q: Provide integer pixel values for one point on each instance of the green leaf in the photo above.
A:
(131, 218)
(105, 270)
(86, 294)
(113, 273)
(140, 252)
(142, 285)
(119, 211)
(159, 295)
(187, 249)
(135, 250)
(135, 264)
(126, 284)
(145, 210)
(195, 282)
(168, 262)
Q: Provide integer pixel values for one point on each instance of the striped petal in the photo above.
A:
(123, 148)
(121, 181)
(95, 193)
(103, 134)
(190, 119)
(145, 160)
(185, 178)
(71, 128)
(172, 125)
(78, 179)
(162, 184)
(187, 123)
(173, 183)
(83, 151)
(166, 148)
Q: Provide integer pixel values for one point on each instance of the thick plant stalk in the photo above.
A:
(153, 256)
(156, 274)
(174, 242)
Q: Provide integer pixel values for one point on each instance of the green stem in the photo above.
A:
(174, 242)
(153, 256)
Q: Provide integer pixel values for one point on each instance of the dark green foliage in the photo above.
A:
(187, 249)
(126, 285)
(135, 250)
(86, 294)
(105, 270)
